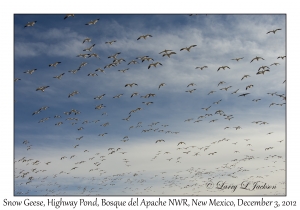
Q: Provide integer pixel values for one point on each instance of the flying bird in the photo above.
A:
(42, 88)
(87, 40)
(188, 48)
(92, 22)
(69, 15)
(256, 58)
(201, 68)
(30, 24)
(154, 64)
(223, 67)
(113, 41)
(30, 71)
(237, 59)
(54, 64)
(273, 31)
(144, 36)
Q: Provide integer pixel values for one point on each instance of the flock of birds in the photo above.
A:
(92, 174)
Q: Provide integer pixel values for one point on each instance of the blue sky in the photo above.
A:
(163, 168)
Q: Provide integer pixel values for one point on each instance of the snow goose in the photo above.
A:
(42, 88)
(92, 22)
(123, 70)
(100, 106)
(190, 91)
(147, 59)
(262, 71)
(87, 40)
(134, 94)
(256, 58)
(110, 42)
(263, 67)
(144, 36)
(191, 84)
(245, 76)
(69, 15)
(249, 86)
(59, 76)
(89, 48)
(94, 55)
(118, 96)
(244, 94)
(147, 103)
(154, 64)
(30, 71)
(83, 55)
(133, 61)
(54, 64)
(161, 84)
(282, 57)
(30, 24)
(92, 74)
(169, 54)
(114, 56)
(201, 68)
(275, 64)
(235, 91)
(273, 31)
(165, 51)
(222, 82)
(223, 67)
(188, 48)
(237, 59)
(101, 70)
(131, 84)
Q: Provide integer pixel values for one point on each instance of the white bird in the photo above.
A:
(110, 42)
(190, 91)
(201, 68)
(165, 51)
(114, 56)
(161, 84)
(237, 59)
(245, 76)
(69, 15)
(147, 103)
(100, 106)
(30, 24)
(89, 48)
(118, 96)
(223, 67)
(273, 31)
(54, 64)
(191, 84)
(30, 71)
(42, 88)
(92, 22)
(282, 57)
(154, 64)
(256, 58)
(144, 36)
(59, 76)
(123, 70)
(131, 84)
(168, 54)
(92, 74)
(87, 40)
(133, 61)
(188, 48)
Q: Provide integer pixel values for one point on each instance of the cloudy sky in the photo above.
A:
(175, 145)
